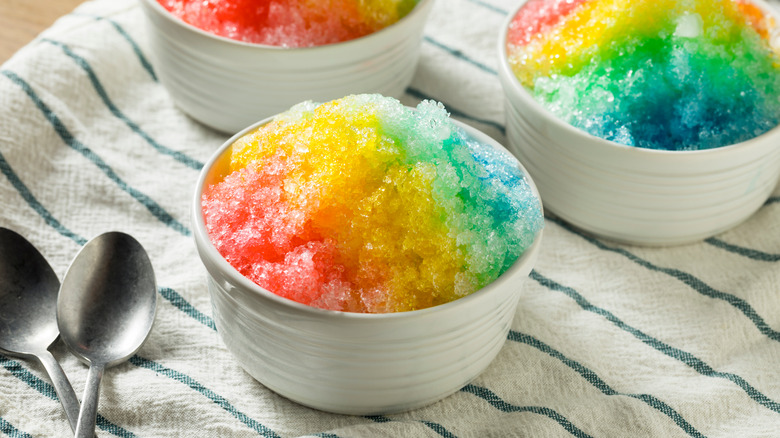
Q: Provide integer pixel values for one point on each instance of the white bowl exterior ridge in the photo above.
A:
(344, 368)
(228, 85)
(635, 195)
(351, 363)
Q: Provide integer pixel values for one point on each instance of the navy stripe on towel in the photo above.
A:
(17, 370)
(211, 395)
(101, 91)
(136, 49)
(438, 428)
(503, 406)
(601, 385)
(675, 353)
(46, 389)
(493, 8)
(9, 429)
(695, 283)
(27, 195)
(745, 252)
(71, 141)
(180, 303)
(459, 54)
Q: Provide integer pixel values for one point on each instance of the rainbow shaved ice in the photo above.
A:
(290, 23)
(365, 205)
(660, 74)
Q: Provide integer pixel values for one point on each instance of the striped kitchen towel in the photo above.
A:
(608, 340)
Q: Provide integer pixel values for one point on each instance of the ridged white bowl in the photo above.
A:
(629, 194)
(352, 363)
(228, 84)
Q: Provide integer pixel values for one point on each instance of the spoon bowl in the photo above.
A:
(28, 312)
(106, 309)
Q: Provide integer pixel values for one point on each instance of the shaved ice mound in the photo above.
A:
(365, 205)
(662, 74)
(290, 23)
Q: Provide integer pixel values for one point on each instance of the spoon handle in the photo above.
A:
(89, 403)
(62, 386)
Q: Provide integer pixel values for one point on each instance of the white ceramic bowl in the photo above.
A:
(228, 84)
(635, 195)
(355, 363)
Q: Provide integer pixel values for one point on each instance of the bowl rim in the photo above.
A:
(178, 22)
(206, 248)
(513, 84)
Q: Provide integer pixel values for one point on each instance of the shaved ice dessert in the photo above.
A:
(290, 23)
(365, 205)
(660, 74)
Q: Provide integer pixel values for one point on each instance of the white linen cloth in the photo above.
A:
(608, 340)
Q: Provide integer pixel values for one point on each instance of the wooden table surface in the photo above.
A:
(23, 20)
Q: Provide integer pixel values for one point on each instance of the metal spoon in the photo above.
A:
(105, 310)
(28, 312)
